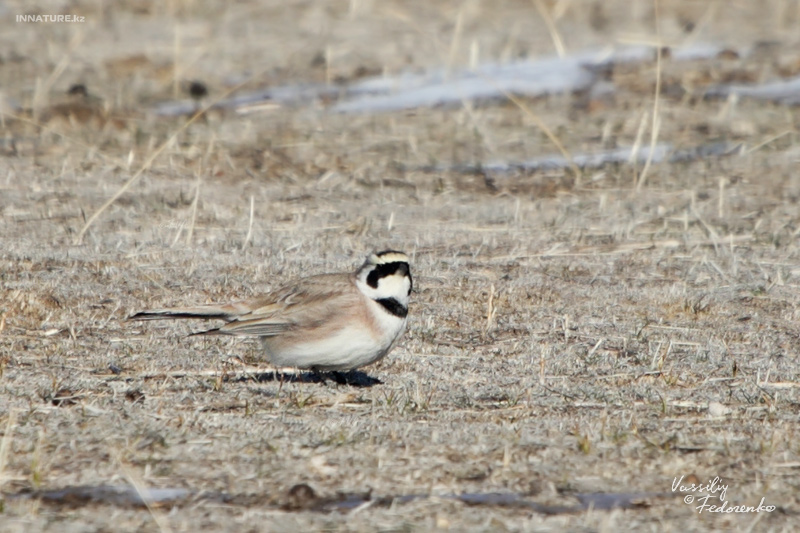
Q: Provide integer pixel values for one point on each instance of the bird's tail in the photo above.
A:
(202, 312)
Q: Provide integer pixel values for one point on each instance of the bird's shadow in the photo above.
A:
(353, 378)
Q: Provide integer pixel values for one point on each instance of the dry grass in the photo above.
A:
(567, 335)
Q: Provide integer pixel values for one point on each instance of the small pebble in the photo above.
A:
(716, 409)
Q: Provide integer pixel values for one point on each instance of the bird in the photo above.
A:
(323, 323)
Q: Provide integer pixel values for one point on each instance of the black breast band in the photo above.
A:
(394, 307)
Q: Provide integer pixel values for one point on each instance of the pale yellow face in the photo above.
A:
(387, 275)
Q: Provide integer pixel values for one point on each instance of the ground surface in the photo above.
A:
(569, 334)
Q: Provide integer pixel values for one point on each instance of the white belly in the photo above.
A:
(347, 349)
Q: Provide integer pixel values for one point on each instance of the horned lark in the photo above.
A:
(328, 322)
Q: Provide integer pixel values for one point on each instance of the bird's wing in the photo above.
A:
(309, 303)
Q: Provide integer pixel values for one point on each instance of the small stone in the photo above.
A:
(716, 409)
